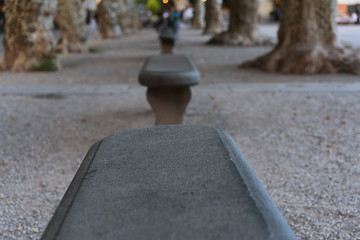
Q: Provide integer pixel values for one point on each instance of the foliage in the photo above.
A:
(94, 50)
(345, 70)
(153, 6)
(47, 65)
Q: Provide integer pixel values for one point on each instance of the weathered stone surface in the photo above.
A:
(307, 42)
(168, 182)
(28, 40)
(168, 103)
(107, 12)
(71, 16)
(170, 70)
(168, 78)
(168, 39)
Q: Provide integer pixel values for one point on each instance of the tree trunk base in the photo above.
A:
(236, 39)
(23, 62)
(213, 30)
(128, 32)
(197, 26)
(28, 40)
(66, 47)
(304, 58)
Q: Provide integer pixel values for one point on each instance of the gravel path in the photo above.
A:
(300, 134)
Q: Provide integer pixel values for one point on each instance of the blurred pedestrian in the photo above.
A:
(174, 20)
(90, 6)
(354, 17)
(187, 15)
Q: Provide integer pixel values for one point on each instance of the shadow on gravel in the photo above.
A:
(49, 96)
(73, 63)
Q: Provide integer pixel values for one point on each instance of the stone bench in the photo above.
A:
(168, 78)
(167, 39)
(166, 182)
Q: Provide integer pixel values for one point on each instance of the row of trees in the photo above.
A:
(29, 43)
(307, 39)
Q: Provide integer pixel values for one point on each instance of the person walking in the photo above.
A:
(355, 18)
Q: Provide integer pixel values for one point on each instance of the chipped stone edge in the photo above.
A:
(277, 225)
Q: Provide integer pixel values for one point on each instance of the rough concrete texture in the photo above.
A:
(300, 134)
(199, 186)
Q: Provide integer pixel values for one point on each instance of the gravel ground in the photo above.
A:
(300, 134)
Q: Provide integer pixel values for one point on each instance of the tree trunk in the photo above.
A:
(307, 41)
(107, 12)
(128, 16)
(136, 22)
(243, 28)
(180, 4)
(71, 16)
(198, 18)
(213, 17)
(124, 18)
(28, 39)
(133, 22)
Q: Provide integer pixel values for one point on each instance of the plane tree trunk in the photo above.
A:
(213, 17)
(107, 12)
(28, 39)
(71, 17)
(135, 16)
(243, 28)
(198, 18)
(307, 42)
(124, 18)
(134, 19)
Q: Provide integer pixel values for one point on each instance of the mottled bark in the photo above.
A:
(198, 18)
(28, 40)
(107, 12)
(124, 17)
(136, 23)
(134, 15)
(180, 4)
(129, 17)
(307, 42)
(213, 17)
(71, 17)
(243, 30)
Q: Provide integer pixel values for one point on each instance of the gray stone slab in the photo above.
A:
(167, 34)
(170, 70)
(167, 182)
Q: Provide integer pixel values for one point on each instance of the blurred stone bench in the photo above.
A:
(167, 39)
(166, 182)
(168, 78)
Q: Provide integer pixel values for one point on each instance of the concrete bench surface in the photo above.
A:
(167, 182)
(170, 70)
(167, 33)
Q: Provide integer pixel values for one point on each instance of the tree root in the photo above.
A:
(304, 58)
(236, 39)
(64, 46)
